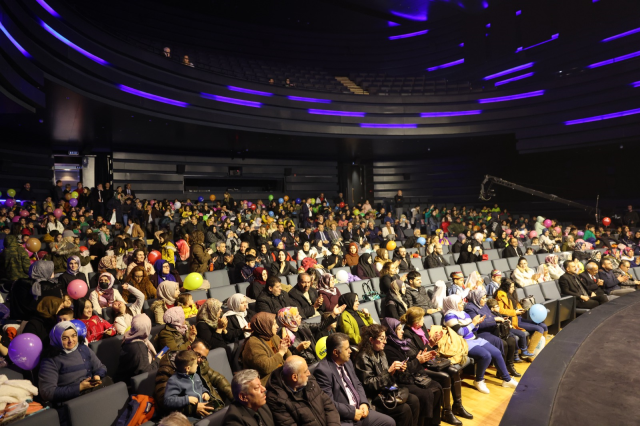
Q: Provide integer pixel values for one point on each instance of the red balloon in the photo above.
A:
(153, 256)
(341, 205)
(42, 254)
(83, 248)
(606, 221)
(253, 207)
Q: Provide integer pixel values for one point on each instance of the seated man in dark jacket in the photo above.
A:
(435, 259)
(250, 401)
(591, 282)
(611, 281)
(404, 260)
(294, 397)
(306, 297)
(273, 298)
(417, 295)
(572, 285)
(513, 250)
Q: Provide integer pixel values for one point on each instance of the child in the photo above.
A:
(185, 301)
(247, 269)
(185, 389)
(529, 251)
(168, 248)
(65, 314)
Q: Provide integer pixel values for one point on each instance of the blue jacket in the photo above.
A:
(610, 281)
(489, 323)
(61, 375)
(180, 387)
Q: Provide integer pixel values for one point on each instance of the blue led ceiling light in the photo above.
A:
(152, 96)
(603, 117)
(13, 40)
(516, 78)
(417, 33)
(231, 100)
(387, 126)
(511, 97)
(614, 60)
(303, 99)
(461, 45)
(73, 45)
(518, 12)
(338, 113)
(447, 65)
(509, 71)
(415, 17)
(628, 33)
(249, 91)
(449, 113)
(393, 24)
(636, 84)
(553, 37)
(48, 8)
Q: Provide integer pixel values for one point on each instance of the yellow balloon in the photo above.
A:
(321, 348)
(193, 281)
(391, 245)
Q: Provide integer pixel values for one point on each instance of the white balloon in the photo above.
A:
(177, 205)
(342, 276)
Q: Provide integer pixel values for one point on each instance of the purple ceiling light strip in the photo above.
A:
(603, 117)
(511, 97)
(553, 37)
(447, 65)
(73, 45)
(48, 8)
(417, 33)
(339, 113)
(151, 96)
(409, 17)
(636, 84)
(628, 33)
(518, 12)
(387, 126)
(249, 91)
(302, 99)
(393, 24)
(614, 60)
(231, 100)
(449, 114)
(516, 78)
(509, 71)
(13, 40)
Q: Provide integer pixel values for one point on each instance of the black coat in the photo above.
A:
(512, 252)
(239, 415)
(234, 331)
(571, 285)
(209, 335)
(289, 269)
(267, 302)
(306, 309)
(134, 360)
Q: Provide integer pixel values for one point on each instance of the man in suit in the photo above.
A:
(128, 192)
(349, 234)
(249, 407)
(307, 297)
(337, 378)
(513, 250)
(99, 200)
(435, 259)
(277, 235)
(306, 215)
(322, 236)
(611, 281)
(571, 285)
(307, 235)
(591, 282)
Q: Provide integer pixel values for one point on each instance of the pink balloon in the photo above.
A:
(16, 219)
(547, 223)
(508, 231)
(533, 234)
(24, 213)
(58, 214)
(77, 289)
(152, 202)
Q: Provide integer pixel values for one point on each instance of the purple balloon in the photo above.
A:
(73, 202)
(25, 350)
(10, 202)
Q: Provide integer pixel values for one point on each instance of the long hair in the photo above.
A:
(367, 333)
(197, 237)
(505, 285)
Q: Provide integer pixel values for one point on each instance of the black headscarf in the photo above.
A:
(349, 299)
(367, 267)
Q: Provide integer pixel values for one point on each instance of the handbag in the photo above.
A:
(390, 399)
(527, 302)
(438, 364)
(502, 329)
(422, 381)
(369, 293)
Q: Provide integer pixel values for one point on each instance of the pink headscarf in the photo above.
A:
(175, 317)
(139, 332)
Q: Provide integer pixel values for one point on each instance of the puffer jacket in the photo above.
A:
(216, 382)
(419, 297)
(309, 407)
(16, 259)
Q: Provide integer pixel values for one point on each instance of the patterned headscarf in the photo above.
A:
(233, 303)
(325, 285)
(175, 317)
(139, 332)
(106, 297)
(69, 270)
(288, 318)
(208, 312)
(55, 335)
(42, 270)
(108, 262)
(450, 305)
(392, 324)
(166, 292)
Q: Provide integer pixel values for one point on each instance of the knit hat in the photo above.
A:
(68, 233)
(456, 275)
(496, 273)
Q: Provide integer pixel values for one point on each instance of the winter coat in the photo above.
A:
(199, 260)
(347, 324)
(257, 354)
(16, 259)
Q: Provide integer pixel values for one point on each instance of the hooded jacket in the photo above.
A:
(16, 259)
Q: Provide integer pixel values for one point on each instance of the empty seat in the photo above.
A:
(242, 288)
(292, 279)
(455, 258)
(198, 295)
(469, 268)
(376, 284)
(436, 274)
(143, 384)
(492, 254)
(541, 258)
(513, 262)
(222, 293)
(450, 258)
(218, 360)
(357, 287)
(217, 278)
(98, 408)
(417, 263)
(566, 304)
(501, 265)
(428, 322)
(371, 307)
(108, 352)
(344, 288)
(41, 418)
(437, 318)
(484, 268)
(486, 245)
(532, 260)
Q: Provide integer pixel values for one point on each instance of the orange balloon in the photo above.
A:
(33, 245)
(391, 245)
(212, 197)
(286, 198)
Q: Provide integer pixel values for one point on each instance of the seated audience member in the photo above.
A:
(176, 334)
(417, 345)
(480, 350)
(611, 282)
(555, 271)
(200, 254)
(388, 233)
(168, 292)
(72, 273)
(124, 313)
(249, 406)
(623, 271)
(257, 282)
(105, 295)
(412, 241)
(403, 260)
(351, 256)
(237, 318)
(185, 301)
(139, 258)
(470, 253)
(375, 373)
(366, 269)
(510, 306)
(513, 250)
(396, 303)
(336, 376)
(211, 325)
(352, 319)
(382, 257)
(458, 285)
(139, 279)
(164, 272)
(457, 246)
(306, 297)
(585, 287)
(416, 294)
(435, 259)
(43, 282)
(388, 274)
(330, 294)
(281, 266)
(494, 284)
(137, 354)
(186, 391)
(295, 398)
(44, 319)
(523, 275)
(97, 327)
(273, 298)
(215, 382)
(69, 368)
(15, 258)
(264, 351)
(579, 252)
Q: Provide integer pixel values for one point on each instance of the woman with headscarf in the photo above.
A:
(265, 351)
(104, 295)
(72, 272)
(307, 251)
(480, 350)
(281, 266)
(330, 294)
(44, 284)
(213, 235)
(579, 252)
(439, 293)
(351, 257)
(256, 286)
(62, 251)
(164, 272)
(123, 313)
(523, 275)
(263, 257)
(543, 273)
(353, 320)
(486, 329)
(382, 257)
(396, 303)
(139, 258)
(211, 325)
(137, 354)
(168, 292)
(469, 253)
(457, 246)
(97, 327)
(237, 318)
(176, 335)
(44, 319)
(68, 368)
(139, 279)
(334, 260)
(555, 271)
(366, 269)
(501, 242)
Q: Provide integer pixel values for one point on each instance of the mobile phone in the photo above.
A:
(392, 388)
(163, 351)
(95, 382)
(405, 361)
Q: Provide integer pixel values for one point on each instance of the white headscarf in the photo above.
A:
(233, 303)
(439, 294)
(450, 306)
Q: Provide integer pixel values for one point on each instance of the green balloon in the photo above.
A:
(270, 197)
(11, 193)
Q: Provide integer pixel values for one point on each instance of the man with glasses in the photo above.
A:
(220, 387)
(306, 297)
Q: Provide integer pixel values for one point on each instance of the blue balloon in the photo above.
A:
(422, 241)
(280, 200)
(538, 313)
(82, 329)
(271, 213)
(298, 201)
(201, 199)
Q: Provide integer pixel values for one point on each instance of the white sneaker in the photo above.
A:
(510, 384)
(482, 386)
